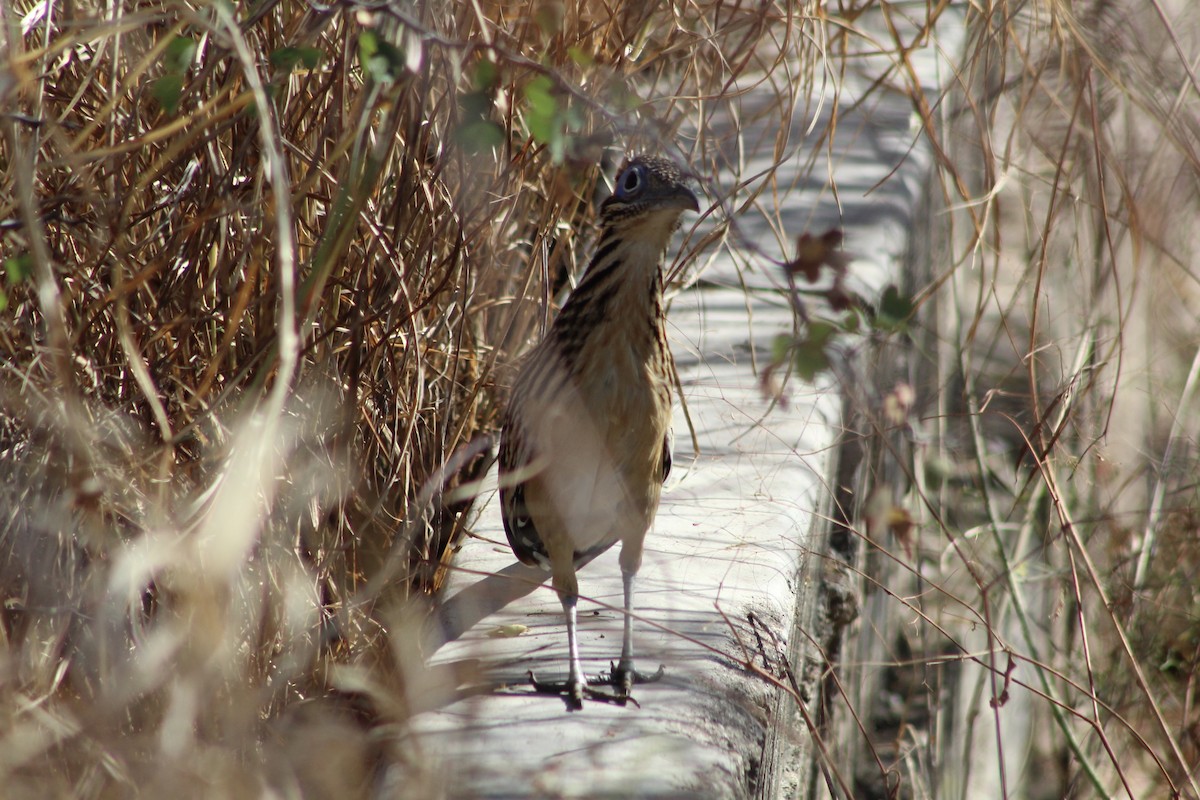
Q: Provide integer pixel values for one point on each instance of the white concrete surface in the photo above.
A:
(730, 536)
(724, 579)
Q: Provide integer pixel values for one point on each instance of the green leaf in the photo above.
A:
(486, 76)
(475, 105)
(549, 17)
(580, 57)
(810, 359)
(382, 61)
(18, 268)
(480, 135)
(811, 354)
(780, 346)
(540, 97)
(544, 116)
(368, 45)
(541, 129)
(379, 68)
(623, 98)
(168, 90)
(311, 57)
(574, 118)
(286, 58)
(894, 310)
(558, 146)
(178, 57)
(938, 471)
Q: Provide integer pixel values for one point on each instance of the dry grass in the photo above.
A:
(1039, 559)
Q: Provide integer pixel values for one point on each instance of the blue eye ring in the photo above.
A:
(631, 181)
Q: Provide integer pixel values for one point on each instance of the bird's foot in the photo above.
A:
(622, 677)
(572, 690)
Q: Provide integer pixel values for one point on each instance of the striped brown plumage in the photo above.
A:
(583, 450)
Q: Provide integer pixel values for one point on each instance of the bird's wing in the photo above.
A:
(518, 523)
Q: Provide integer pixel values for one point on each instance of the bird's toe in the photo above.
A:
(572, 690)
(623, 676)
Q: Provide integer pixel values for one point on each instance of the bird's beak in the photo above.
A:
(686, 199)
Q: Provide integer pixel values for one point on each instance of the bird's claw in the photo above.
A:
(572, 692)
(623, 677)
(618, 698)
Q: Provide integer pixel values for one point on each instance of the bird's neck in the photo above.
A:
(625, 274)
(618, 305)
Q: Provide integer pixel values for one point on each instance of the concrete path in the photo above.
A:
(732, 568)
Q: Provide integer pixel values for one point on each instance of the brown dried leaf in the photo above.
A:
(813, 252)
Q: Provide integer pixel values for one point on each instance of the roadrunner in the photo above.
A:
(584, 447)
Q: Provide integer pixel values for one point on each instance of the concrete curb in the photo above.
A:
(730, 588)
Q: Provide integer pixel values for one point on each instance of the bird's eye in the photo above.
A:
(630, 182)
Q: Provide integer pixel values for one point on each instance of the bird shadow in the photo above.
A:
(461, 612)
(474, 603)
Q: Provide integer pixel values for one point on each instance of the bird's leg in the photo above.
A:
(576, 680)
(624, 676)
(575, 686)
(625, 666)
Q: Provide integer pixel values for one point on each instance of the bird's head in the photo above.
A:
(649, 187)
